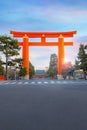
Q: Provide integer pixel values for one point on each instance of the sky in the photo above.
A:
(46, 15)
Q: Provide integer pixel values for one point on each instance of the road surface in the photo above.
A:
(43, 105)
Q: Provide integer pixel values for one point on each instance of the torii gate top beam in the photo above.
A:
(41, 34)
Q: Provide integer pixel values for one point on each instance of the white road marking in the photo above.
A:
(39, 82)
(32, 82)
(45, 82)
(58, 82)
(64, 82)
(7, 83)
(13, 83)
(26, 82)
(42, 82)
(19, 82)
(52, 82)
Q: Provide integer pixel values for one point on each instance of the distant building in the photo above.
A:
(39, 74)
(79, 74)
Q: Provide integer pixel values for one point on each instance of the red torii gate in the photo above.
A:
(43, 35)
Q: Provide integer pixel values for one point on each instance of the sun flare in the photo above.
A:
(66, 60)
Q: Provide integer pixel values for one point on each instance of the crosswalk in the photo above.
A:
(40, 82)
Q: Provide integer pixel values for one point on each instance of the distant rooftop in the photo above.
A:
(40, 71)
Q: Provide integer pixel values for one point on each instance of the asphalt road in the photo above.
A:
(43, 105)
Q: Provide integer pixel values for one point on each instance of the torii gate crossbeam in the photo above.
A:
(43, 35)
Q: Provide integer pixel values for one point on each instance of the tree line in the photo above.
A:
(10, 50)
(68, 70)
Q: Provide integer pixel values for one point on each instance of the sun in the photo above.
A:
(66, 60)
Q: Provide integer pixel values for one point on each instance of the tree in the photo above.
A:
(82, 59)
(52, 71)
(31, 70)
(22, 72)
(17, 63)
(76, 64)
(67, 70)
(1, 68)
(9, 47)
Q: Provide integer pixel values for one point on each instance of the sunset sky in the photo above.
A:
(46, 15)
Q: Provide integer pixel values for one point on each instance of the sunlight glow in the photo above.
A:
(66, 60)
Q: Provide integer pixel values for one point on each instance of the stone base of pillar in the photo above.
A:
(59, 77)
(26, 77)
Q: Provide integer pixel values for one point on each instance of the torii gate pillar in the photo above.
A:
(43, 35)
(25, 55)
(60, 54)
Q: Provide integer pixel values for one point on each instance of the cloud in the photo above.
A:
(82, 40)
(49, 15)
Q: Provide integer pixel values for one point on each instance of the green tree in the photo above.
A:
(76, 66)
(9, 47)
(52, 71)
(82, 59)
(22, 72)
(31, 70)
(17, 63)
(1, 68)
(86, 47)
